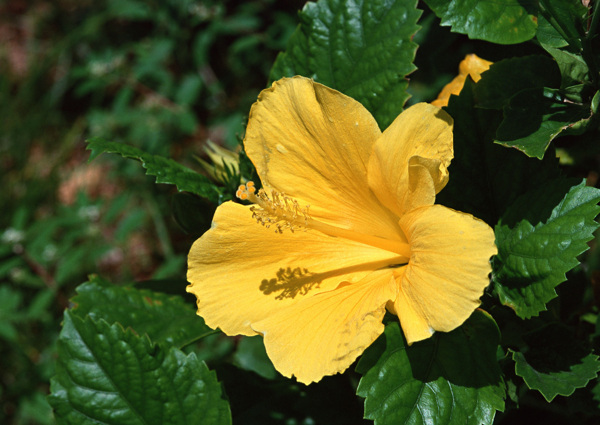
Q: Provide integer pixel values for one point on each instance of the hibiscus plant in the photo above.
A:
(408, 256)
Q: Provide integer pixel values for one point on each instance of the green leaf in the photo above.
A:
(539, 238)
(486, 178)
(165, 170)
(106, 375)
(596, 392)
(163, 318)
(193, 214)
(361, 48)
(566, 18)
(555, 363)
(535, 117)
(428, 382)
(508, 77)
(251, 355)
(9, 311)
(547, 35)
(573, 67)
(498, 21)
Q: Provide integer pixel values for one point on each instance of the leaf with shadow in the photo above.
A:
(539, 238)
(554, 362)
(486, 178)
(535, 117)
(451, 378)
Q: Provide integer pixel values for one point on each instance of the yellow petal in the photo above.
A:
(242, 272)
(447, 272)
(323, 334)
(313, 143)
(408, 166)
(471, 65)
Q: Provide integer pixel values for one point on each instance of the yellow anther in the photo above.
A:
(285, 213)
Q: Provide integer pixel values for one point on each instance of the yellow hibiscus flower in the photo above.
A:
(344, 227)
(471, 65)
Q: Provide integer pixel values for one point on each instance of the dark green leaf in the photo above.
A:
(10, 301)
(163, 318)
(539, 238)
(485, 178)
(165, 170)
(498, 21)
(596, 392)
(361, 48)
(192, 213)
(535, 117)
(547, 34)
(251, 355)
(428, 382)
(566, 17)
(106, 375)
(573, 67)
(555, 363)
(508, 77)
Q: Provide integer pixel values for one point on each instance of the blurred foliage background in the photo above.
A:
(165, 76)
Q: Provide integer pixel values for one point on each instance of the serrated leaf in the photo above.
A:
(508, 77)
(164, 169)
(428, 382)
(555, 363)
(498, 21)
(362, 48)
(539, 238)
(251, 355)
(162, 317)
(535, 117)
(485, 178)
(106, 375)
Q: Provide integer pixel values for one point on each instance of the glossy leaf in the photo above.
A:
(361, 48)
(555, 363)
(539, 239)
(162, 317)
(535, 117)
(164, 169)
(498, 21)
(566, 18)
(428, 382)
(106, 375)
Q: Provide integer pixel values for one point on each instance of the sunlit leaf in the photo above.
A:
(106, 375)
(162, 317)
(429, 381)
(539, 239)
(498, 21)
(362, 48)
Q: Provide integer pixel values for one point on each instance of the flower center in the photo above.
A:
(285, 213)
